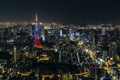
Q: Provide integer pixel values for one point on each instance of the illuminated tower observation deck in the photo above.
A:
(36, 43)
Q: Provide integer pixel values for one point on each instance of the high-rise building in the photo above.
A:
(42, 31)
(61, 32)
(71, 33)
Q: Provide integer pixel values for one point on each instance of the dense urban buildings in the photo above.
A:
(50, 51)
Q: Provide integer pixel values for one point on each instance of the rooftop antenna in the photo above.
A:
(36, 17)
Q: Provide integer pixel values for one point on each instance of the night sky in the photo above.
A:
(63, 11)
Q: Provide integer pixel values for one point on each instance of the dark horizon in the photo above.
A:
(60, 11)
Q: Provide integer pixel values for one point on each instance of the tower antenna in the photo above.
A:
(36, 17)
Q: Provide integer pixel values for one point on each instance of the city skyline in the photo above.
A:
(59, 40)
(60, 11)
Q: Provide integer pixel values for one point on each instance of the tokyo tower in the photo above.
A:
(36, 42)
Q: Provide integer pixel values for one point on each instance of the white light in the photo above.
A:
(86, 50)
(111, 58)
(101, 60)
(98, 51)
(56, 50)
(41, 23)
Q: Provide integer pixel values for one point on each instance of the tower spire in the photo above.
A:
(36, 17)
